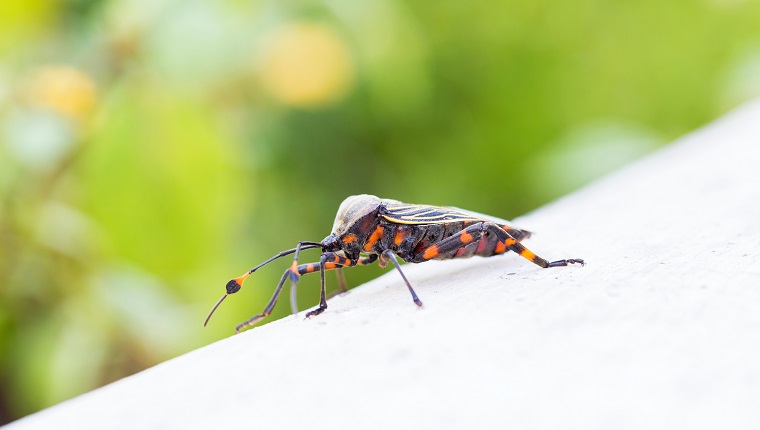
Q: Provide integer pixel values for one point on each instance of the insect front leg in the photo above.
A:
(268, 309)
(328, 261)
(293, 273)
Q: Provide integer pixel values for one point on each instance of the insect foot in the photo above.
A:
(567, 262)
(251, 322)
(315, 312)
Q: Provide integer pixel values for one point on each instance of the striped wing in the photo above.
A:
(403, 213)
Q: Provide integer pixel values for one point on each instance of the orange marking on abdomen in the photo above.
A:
(376, 235)
(310, 268)
(465, 237)
(431, 252)
(510, 242)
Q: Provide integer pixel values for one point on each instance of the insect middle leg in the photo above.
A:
(328, 261)
(389, 255)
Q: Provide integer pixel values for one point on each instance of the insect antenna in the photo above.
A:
(234, 285)
(214, 309)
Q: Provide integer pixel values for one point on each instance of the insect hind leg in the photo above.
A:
(514, 245)
(517, 233)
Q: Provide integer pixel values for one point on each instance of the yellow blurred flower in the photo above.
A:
(64, 89)
(307, 65)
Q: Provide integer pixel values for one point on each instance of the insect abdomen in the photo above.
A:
(409, 242)
(486, 246)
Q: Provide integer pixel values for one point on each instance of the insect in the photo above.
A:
(369, 229)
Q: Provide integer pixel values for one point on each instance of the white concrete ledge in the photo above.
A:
(661, 330)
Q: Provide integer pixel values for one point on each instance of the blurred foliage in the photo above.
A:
(151, 150)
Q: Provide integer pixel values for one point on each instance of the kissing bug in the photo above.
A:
(369, 229)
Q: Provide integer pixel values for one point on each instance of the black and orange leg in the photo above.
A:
(451, 244)
(328, 261)
(474, 233)
(514, 245)
(268, 309)
(389, 255)
(292, 273)
(516, 233)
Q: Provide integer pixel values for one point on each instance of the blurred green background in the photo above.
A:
(152, 149)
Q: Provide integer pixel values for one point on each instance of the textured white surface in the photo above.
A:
(661, 330)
